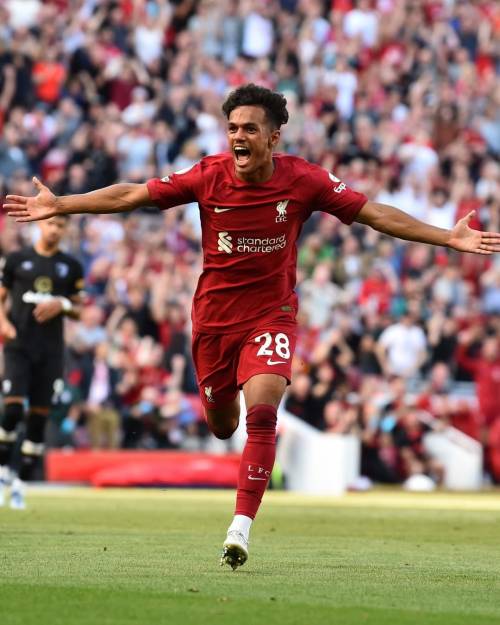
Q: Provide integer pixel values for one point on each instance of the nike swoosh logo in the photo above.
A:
(251, 477)
(223, 210)
(276, 362)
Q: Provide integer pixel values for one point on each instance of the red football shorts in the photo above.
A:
(224, 362)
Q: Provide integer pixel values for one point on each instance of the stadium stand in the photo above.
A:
(400, 98)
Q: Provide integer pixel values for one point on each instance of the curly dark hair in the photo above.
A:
(273, 103)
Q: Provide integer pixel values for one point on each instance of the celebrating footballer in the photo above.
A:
(253, 203)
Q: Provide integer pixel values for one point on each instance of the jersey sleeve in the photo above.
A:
(7, 265)
(335, 197)
(181, 187)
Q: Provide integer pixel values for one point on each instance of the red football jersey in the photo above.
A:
(249, 234)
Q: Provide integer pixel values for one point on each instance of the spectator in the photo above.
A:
(440, 211)
(258, 31)
(377, 289)
(408, 437)
(362, 22)
(48, 76)
(103, 419)
(319, 296)
(402, 348)
(485, 371)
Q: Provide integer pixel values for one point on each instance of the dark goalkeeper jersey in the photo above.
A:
(31, 278)
(249, 234)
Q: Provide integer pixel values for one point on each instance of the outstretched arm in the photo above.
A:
(117, 198)
(396, 223)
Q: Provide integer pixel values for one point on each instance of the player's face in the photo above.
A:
(52, 230)
(251, 140)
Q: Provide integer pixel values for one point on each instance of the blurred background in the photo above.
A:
(398, 348)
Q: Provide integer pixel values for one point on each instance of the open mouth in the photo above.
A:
(242, 155)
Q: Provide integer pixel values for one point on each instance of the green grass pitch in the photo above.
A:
(140, 557)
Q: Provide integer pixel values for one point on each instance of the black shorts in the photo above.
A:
(34, 375)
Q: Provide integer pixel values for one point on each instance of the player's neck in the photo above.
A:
(258, 176)
(45, 249)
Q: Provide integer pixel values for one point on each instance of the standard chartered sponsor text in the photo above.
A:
(267, 244)
(250, 244)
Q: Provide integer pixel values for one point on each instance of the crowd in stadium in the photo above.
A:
(399, 98)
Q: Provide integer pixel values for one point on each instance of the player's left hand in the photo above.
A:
(45, 311)
(41, 206)
(465, 239)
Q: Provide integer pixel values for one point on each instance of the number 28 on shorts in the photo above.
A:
(276, 349)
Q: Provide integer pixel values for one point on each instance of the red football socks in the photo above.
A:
(257, 459)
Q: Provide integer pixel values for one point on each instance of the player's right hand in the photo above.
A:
(41, 206)
(7, 331)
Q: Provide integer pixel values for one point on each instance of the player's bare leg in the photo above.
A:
(263, 394)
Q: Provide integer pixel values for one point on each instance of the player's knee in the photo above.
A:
(223, 435)
(223, 432)
(13, 415)
(222, 422)
(222, 428)
(261, 417)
